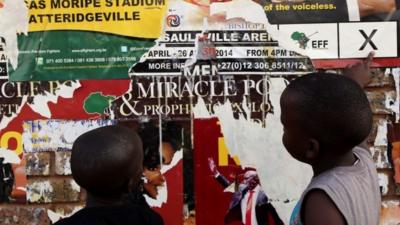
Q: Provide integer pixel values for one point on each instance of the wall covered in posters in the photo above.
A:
(201, 79)
(80, 39)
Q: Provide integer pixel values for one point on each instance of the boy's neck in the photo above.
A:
(330, 161)
(98, 201)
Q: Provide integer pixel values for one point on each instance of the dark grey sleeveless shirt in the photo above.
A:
(354, 190)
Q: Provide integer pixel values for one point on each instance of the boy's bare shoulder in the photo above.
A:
(319, 209)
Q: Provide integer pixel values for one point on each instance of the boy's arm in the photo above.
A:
(319, 209)
(360, 72)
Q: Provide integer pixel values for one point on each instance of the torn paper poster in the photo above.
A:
(395, 107)
(319, 29)
(381, 135)
(337, 41)
(248, 10)
(175, 96)
(59, 47)
(237, 46)
(227, 181)
(14, 95)
(318, 11)
(57, 190)
(323, 30)
(56, 135)
(164, 143)
(380, 157)
(37, 164)
(63, 166)
(56, 216)
(9, 156)
(383, 183)
(13, 21)
(40, 102)
(200, 110)
(6, 119)
(381, 77)
(186, 15)
(243, 137)
(268, 145)
(162, 191)
(40, 191)
(3, 59)
(236, 52)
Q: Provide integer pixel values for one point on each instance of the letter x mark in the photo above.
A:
(368, 39)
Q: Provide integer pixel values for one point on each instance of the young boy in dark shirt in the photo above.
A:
(107, 163)
(325, 116)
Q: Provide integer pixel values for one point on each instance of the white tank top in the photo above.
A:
(354, 190)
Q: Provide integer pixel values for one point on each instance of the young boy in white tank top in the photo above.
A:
(325, 116)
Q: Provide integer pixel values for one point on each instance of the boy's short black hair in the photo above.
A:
(333, 108)
(106, 160)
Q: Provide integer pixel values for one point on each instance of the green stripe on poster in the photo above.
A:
(75, 55)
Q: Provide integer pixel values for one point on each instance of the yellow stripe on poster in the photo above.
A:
(134, 18)
(223, 154)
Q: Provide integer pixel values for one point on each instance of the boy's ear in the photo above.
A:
(313, 149)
